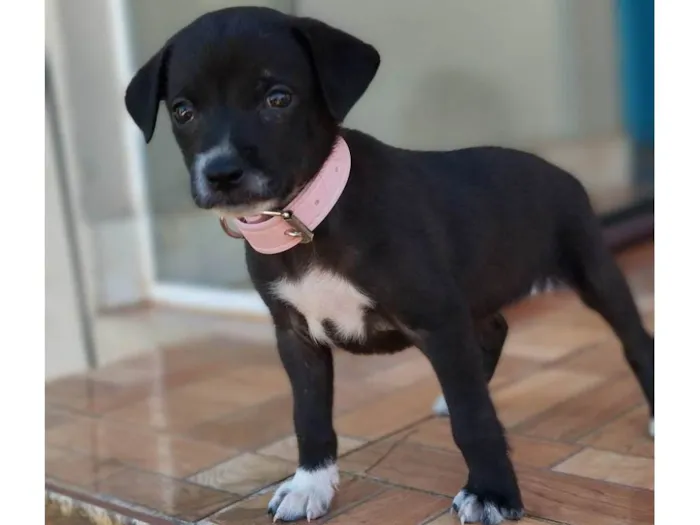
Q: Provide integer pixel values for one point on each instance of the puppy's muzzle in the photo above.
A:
(224, 172)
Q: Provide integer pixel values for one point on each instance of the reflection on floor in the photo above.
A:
(202, 432)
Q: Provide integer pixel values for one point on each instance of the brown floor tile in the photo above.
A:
(350, 394)
(177, 365)
(352, 492)
(582, 501)
(250, 428)
(161, 453)
(537, 452)
(359, 461)
(539, 392)
(394, 507)
(449, 518)
(287, 448)
(573, 315)
(548, 342)
(424, 468)
(531, 308)
(360, 380)
(92, 396)
(511, 368)
(524, 450)
(351, 367)
(410, 367)
(435, 432)
(174, 498)
(174, 410)
(637, 258)
(253, 511)
(583, 414)
(209, 353)
(78, 470)
(627, 435)
(244, 474)
(611, 466)
(244, 386)
(604, 359)
(390, 412)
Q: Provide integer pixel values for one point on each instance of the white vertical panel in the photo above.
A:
(65, 347)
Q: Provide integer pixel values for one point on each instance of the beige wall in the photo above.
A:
(458, 72)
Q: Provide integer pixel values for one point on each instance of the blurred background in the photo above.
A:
(133, 265)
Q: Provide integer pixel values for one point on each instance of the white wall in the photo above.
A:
(65, 349)
(87, 60)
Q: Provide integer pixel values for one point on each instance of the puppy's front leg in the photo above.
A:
(308, 494)
(491, 493)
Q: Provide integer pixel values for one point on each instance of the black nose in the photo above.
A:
(224, 172)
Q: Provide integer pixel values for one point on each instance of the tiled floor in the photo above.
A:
(202, 432)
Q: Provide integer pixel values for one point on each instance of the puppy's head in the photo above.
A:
(255, 98)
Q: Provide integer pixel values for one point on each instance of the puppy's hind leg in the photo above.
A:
(491, 334)
(589, 266)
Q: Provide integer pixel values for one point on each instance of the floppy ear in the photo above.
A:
(344, 65)
(145, 91)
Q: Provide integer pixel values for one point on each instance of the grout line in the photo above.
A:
(392, 447)
(100, 511)
(617, 452)
(395, 485)
(598, 480)
(568, 457)
(370, 441)
(613, 420)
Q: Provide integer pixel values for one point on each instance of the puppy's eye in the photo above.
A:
(278, 99)
(183, 112)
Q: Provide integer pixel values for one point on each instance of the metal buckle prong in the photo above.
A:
(299, 229)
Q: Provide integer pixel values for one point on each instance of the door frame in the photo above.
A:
(112, 59)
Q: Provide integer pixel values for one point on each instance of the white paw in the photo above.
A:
(307, 495)
(440, 407)
(471, 509)
(651, 427)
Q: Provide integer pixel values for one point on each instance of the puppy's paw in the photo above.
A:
(307, 495)
(440, 407)
(471, 508)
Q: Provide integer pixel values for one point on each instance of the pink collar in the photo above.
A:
(278, 231)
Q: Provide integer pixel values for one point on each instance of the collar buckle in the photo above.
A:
(298, 228)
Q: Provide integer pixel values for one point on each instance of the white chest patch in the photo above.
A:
(323, 295)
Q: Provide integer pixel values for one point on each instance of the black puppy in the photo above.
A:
(421, 248)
